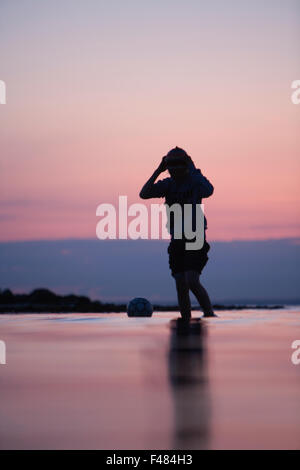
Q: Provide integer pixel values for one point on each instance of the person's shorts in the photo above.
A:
(181, 259)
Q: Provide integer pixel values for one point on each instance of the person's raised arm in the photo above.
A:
(205, 186)
(152, 189)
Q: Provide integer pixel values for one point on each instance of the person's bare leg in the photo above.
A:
(183, 295)
(200, 293)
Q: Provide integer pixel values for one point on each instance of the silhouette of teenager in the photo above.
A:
(186, 185)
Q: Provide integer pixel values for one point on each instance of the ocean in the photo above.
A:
(106, 381)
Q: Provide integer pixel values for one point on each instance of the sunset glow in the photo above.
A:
(98, 93)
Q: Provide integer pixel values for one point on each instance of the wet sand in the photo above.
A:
(106, 381)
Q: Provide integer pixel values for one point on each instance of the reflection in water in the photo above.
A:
(187, 377)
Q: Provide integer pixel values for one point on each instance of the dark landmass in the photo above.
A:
(45, 301)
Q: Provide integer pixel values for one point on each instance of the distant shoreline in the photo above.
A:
(45, 301)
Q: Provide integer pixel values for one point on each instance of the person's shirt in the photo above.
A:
(191, 190)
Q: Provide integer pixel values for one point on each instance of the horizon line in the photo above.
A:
(31, 240)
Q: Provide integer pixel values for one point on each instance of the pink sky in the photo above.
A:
(97, 95)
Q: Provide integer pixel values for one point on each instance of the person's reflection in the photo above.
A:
(187, 376)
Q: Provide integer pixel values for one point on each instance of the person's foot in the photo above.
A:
(184, 319)
(211, 314)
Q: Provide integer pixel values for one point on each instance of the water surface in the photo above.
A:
(106, 381)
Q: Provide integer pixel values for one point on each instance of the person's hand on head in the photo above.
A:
(163, 165)
(191, 164)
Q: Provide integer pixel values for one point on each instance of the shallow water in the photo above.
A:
(107, 381)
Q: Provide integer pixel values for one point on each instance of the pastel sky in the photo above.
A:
(98, 91)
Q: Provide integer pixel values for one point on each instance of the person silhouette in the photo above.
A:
(185, 185)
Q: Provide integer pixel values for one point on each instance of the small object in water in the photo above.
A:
(139, 307)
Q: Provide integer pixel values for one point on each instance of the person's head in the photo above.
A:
(177, 163)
